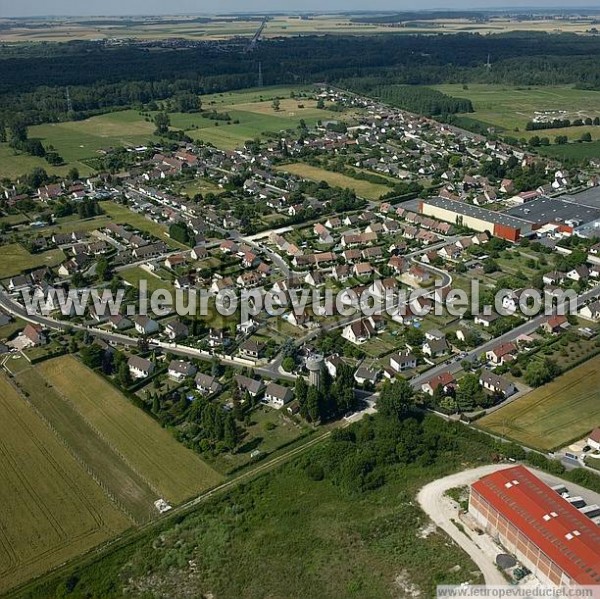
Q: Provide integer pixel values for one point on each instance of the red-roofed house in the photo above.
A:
(551, 537)
(505, 352)
(444, 379)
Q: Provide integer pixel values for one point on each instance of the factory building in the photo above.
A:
(546, 533)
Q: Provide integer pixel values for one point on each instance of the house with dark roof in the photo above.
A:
(496, 384)
(206, 384)
(181, 369)
(253, 386)
(139, 367)
(278, 395)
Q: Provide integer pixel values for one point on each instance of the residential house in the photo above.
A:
(501, 354)
(555, 324)
(485, 320)
(180, 369)
(118, 322)
(206, 384)
(579, 273)
(591, 311)
(332, 363)
(35, 334)
(254, 387)
(139, 367)
(252, 349)
(364, 375)
(445, 380)
(176, 330)
(496, 383)
(145, 325)
(403, 361)
(594, 439)
(435, 347)
(278, 395)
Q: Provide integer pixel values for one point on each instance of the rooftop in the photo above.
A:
(499, 218)
(559, 529)
(545, 210)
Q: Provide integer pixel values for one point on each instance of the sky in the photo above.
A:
(12, 8)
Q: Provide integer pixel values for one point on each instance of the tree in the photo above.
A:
(288, 364)
(313, 405)
(587, 136)
(92, 355)
(155, 404)
(73, 174)
(124, 376)
(469, 393)
(396, 399)
(162, 122)
(276, 105)
(103, 271)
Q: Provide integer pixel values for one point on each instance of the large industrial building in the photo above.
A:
(498, 224)
(551, 537)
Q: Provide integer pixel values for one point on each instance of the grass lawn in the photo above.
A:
(52, 510)
(14, 258)
(287, 535)
(269, 430)
(77, 140)
(553, 415)
(14, 165)
(511, 107)
(171, 470)
(370, 191)
(122, 215)
(573, 151)
(135, 274)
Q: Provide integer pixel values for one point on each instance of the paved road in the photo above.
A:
(526, 328)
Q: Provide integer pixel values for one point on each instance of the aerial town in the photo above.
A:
(462, 388)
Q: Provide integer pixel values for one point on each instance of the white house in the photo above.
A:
(401, 362)
(278, 395)
(145, 325)
(140, 368)
(180, 369)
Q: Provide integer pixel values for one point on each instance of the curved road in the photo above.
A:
(442, 509)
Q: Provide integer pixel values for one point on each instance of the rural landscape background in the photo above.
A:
(201, 456)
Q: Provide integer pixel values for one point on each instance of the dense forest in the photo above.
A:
(101, 77)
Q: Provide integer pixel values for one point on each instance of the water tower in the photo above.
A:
(315, 365)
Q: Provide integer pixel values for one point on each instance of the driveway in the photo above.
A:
(442, 509)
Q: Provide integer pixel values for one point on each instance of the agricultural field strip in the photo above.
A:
(127, 487)
(169, 466)
(555, 414)
(45, 475)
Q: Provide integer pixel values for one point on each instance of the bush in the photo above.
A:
(315, 472)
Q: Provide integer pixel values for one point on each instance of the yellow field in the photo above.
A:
(279, 25)
(173, 470)
(553, 415)
(365, 189)
(51, 509)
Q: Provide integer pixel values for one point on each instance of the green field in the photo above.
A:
(76, 140)
(14, 258)
(13, 165)
(552, 416)
(172, 470)
(365, 189)
(51, 509)
(510, 108)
